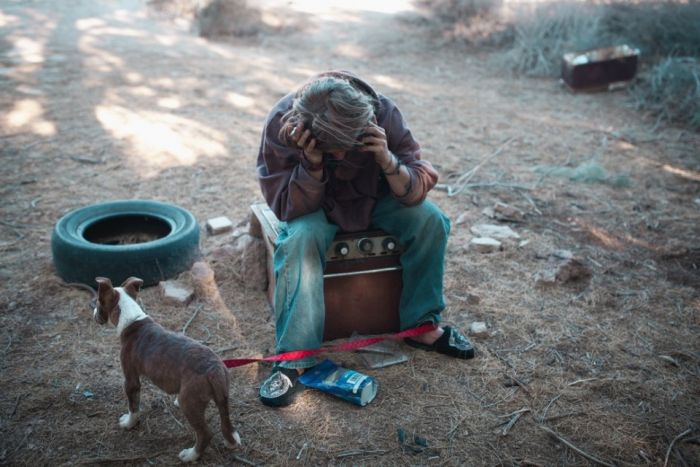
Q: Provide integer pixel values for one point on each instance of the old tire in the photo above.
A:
(147, 239)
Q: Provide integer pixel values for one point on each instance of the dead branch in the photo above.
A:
(574, 448)
(514, 420)
(670, 446)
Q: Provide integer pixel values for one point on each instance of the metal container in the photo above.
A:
(599, 69)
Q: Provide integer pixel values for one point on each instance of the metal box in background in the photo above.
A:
(599, 69)
(361, 283)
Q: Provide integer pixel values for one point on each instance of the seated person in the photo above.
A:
(337, 156)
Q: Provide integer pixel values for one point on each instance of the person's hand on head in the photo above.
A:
(303, 139)
(374, 141)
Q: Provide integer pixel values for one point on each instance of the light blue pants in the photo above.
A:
(299, 261)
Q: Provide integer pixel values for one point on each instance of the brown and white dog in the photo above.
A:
(173, 362)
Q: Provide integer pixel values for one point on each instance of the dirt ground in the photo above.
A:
(105, 100)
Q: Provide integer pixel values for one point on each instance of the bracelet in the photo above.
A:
(396, 170)
(310, 166)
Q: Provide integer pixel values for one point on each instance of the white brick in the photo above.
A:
(478, 328)
(485, 244)
(495, 231)
(175, 293)
(219, 225)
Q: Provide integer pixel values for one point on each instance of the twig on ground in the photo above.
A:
(226, 349)
(194, 315)
(360, 452)
(495, 352)
(581, 381)
(463, 179)
(568, 414)
(86, 160)
(670, 360)
(454, 428)
(544, 414)
(106, 460)
(14, 409)
(514, 186)
(670, 446)
(243, 460)
(78, 285)
(14, 226)
(35, 143)
(574, 448)
(524, 409)
(87, 288)
(167, 408)
(521, 384)
(513, 421)
(532, 202)
(502, 399)
(301, 451)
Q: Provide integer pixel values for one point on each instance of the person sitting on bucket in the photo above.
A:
(337, 156)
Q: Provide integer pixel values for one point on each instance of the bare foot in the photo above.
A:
(429, 337)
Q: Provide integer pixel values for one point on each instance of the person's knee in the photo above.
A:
(312, 230)
(435, 224)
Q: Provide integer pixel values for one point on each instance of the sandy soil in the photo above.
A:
(105, 100)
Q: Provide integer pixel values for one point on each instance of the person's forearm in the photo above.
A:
(397, 175)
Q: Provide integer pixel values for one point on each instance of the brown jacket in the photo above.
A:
(347, 192)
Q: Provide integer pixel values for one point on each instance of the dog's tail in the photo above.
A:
(219, 381)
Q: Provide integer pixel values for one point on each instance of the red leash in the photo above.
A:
(351, 345)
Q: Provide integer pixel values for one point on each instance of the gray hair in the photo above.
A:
(336, 113)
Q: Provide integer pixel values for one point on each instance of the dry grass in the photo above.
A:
(537, 38)
(670, 91)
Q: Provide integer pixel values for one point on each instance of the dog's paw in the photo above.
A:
(188, 455)
(236, 438)
(128, 420)
(176, 402)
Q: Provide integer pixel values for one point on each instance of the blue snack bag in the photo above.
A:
(349, 385)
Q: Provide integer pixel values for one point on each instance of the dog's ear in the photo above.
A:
(103, 282)
(106, 294)
(132, 286)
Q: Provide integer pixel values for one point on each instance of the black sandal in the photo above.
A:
(281, 387)
(451, 343)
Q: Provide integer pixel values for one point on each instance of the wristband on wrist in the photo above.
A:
(391, 159)
(308, 165)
